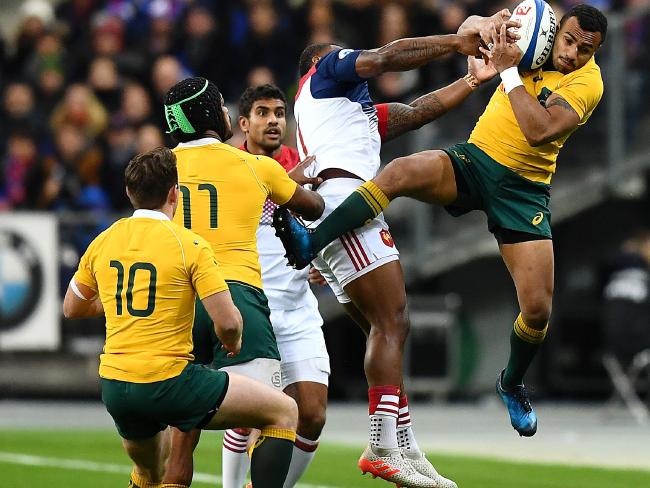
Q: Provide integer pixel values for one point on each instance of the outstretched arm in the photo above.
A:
(539, 123)
(402, 118)
(411, 53)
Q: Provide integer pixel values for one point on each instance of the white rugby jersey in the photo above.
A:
(337, 121)
(284, 287)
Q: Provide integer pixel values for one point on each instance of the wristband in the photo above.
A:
(511, 80)
(471, 80)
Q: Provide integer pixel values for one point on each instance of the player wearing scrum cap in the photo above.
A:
(223, 190)
(504, 169)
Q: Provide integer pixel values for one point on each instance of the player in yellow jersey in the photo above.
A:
(504, 170)
(223, 193)
(144, 274)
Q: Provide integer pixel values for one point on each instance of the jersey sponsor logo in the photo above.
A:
(344, 52)
(386, 238)
(537, 219)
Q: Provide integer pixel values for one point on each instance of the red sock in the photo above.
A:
(383, 408)
(383, 400)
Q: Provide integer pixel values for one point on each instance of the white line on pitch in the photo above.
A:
(83, 465)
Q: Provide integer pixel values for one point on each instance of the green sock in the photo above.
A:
(524, 344)
(271, 458)
(364, 204)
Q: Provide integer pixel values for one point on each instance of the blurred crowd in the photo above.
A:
(82, 81)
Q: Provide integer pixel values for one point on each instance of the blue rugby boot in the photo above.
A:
(522, 415)
(295, 237)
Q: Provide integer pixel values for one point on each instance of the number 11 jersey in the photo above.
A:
(223, 190)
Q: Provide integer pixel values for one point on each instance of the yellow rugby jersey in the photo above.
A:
(148, 271)
(223, 192)
(497, 132)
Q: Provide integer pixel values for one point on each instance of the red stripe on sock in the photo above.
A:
(375, 394)
(237, 451)
(303, 446)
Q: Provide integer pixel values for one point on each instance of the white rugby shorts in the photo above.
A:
(301, 343)
(357, 252)
(316, 370)
(264, 370)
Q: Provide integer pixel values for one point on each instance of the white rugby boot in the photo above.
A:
(390, 465)
(423, 466)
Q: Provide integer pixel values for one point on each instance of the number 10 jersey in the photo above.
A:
(148, 271)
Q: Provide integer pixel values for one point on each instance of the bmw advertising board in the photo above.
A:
(29, 302)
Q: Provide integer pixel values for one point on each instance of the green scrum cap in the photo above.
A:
(175, 116)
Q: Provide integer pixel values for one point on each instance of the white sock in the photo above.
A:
(303, 452)
(405, 436)
(383, 407)
(235, 459)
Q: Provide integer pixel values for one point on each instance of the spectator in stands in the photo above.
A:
(19, 111)
(49, 54)
(81, 109)
(269, 43)
(36, 16)
(119, 147)
(21, 178)
(165, 73)
(149, 137)
(74, 16)
(201, 33)
(136, 105)
(104, 80)
(76, 175)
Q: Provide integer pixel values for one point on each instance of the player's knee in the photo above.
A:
(536, 312)
(311, 422)
(286, 413)
(396, 178)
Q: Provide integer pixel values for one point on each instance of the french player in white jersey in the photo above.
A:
(339, 124)
(305, 366)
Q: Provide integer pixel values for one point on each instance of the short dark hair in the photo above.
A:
(149, 177)
(309, 52)
(590, 19)
(255, 93)
(196, 101)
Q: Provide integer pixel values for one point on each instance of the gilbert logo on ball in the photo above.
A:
(537, 31)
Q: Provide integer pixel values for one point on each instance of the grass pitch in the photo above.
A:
(76, 459)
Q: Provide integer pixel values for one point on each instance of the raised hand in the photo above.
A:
(481, 70)
(501, 53)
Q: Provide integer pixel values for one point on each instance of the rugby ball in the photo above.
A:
(537, 31)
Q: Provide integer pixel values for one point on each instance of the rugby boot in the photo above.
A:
(422, 465)
(390, 465)
(522, 415)
(295, 237)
